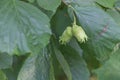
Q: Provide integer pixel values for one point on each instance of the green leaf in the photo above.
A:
(2, 75)
(31, 1)
(63, 63)
(80, 2)
(115, 15)
(36, 67)
(117, 5)
(23, 28)
(106, 3)
(50, 14)
(13, 71)
(74, 44)
(111, 69)
(103, 32)
(60, 21)
(49, 4)
(5, 61)
(76, 63)
(57, 72)
(52, 75)
(92, 62)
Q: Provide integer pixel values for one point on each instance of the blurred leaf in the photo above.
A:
(50, 14)
(111, 69)
(80, 2)
(49, 4)
(115, 15)
(103, 32)
(23, 27)
(52, 75)
(77, 65)
(11, 74)
(2, 76)
(117, 5)
(92, 62)
(74, 44)
(31, 1)
(63, 63)
(106, 3)
(60, 21)
(36, 67)
(58, 71)
(13, 71)
(5, 61)
(52, 72)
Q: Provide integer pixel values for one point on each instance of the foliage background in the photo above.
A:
(29, 40)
